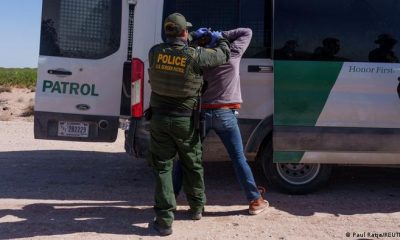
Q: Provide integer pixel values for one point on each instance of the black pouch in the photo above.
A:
(196, 119)
(196, 114)
(204, 87)
(148, 114)
(202, 127)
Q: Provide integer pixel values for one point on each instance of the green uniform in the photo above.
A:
(176, 79)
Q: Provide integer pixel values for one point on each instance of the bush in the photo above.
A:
(18, 77)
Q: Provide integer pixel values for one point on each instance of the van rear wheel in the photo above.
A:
(293, 178)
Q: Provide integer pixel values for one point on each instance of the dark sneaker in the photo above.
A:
(257, 206)
(162, 230)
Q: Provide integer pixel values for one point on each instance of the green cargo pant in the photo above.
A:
(171, 135)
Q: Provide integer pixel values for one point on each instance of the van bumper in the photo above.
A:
(101, 128)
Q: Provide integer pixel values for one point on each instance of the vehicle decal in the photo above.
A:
(288, 157)
(335, 94)
(336, 157)
(69, 88)
(364, 95)
(301, 90)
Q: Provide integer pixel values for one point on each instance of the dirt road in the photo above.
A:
(64, 190)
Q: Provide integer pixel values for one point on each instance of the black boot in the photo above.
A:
(162, 230)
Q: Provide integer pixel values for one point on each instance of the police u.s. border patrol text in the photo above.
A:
(168, 62)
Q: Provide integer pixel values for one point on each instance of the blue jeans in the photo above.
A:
(224, 123)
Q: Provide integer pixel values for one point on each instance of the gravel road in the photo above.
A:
(66, 190)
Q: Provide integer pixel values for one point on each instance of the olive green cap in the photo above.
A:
(174, 24)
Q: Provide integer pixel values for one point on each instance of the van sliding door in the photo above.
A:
(336, 81)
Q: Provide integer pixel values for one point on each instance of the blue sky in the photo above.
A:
(19, 32)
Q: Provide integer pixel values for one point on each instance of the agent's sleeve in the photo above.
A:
(212, 57)
(240, 39)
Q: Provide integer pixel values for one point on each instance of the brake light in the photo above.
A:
(137, 88)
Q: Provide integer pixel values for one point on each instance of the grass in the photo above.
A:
(17, 77)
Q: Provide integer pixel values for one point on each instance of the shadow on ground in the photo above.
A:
(58, 219)
(124, 189)
(351, 190)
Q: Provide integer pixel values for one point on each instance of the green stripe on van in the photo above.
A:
(301, 90)
(288, 157)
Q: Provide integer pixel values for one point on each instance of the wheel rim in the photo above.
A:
(298, 174)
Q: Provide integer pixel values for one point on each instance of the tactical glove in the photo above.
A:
(215, 36)
(200, 33)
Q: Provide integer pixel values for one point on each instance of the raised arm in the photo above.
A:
(212, 57)
(240, 40)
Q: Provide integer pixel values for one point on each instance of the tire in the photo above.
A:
(292, 178)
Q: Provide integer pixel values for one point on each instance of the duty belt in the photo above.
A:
(176, 112)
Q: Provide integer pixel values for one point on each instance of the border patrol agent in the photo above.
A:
(176, 80)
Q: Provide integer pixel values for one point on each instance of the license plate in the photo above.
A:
(73, 129)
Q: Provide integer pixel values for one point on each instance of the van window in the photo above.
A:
(88, 29)
(229, 14)
(337, 30)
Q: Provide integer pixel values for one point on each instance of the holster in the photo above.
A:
(196, 119)
(148, 114)
(199, 120)
(196, 114)
(202, 128)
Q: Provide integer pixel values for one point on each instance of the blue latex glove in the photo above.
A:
(201, 32)
(215, 36)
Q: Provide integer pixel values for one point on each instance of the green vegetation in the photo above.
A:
(18, 77)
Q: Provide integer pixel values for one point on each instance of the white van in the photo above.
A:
(319, 80)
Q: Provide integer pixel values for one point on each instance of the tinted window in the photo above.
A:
(80, 28)
(338, 30)
(230, 14)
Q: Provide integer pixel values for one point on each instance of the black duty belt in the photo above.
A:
(176, 112)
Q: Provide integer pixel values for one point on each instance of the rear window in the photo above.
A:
(229, 14)
(88, 29)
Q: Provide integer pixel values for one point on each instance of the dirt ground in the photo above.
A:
(69, 190)
(15, 103)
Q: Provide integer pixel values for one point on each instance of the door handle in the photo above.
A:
(398, 87)
(59, 72)
(260, 69)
